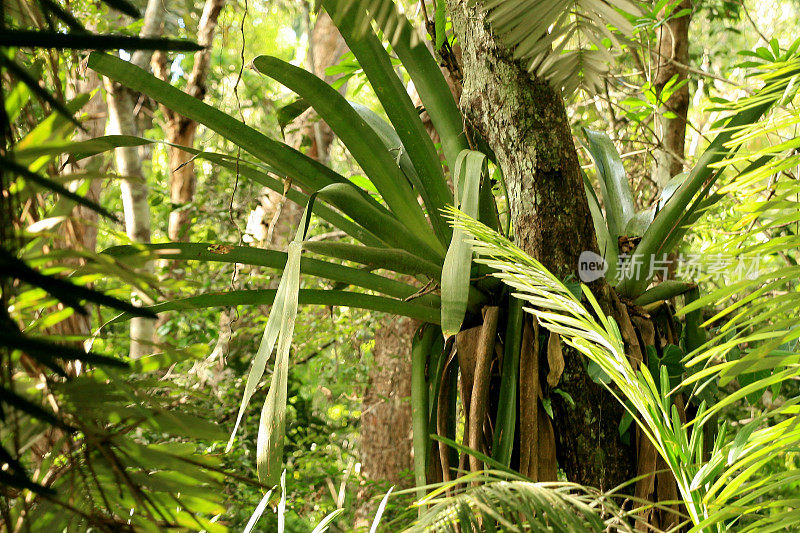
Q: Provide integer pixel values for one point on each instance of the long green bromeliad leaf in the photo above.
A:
(393, 259)
(326, 297)
(421, 346)
(469, 168)
(272, 427)
(672, 222)
(276, 321)
(275, 259)
(258, 172)
(395, 100)
(418, 61)
(614, 184)
(380, 222)
(280, 327)
(425, 73)
(307, 173)
(507, 409)
(394, 145)
(362, 142)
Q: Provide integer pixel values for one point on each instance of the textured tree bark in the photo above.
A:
(121, 103)
(134, 199)
(525, 123)
(673, 55)
(181, 130)
(386, 445)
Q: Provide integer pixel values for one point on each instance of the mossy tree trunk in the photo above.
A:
(525, 123)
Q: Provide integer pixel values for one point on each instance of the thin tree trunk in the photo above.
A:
(525, 123)
(121, 105)
(673, 55)
(181, 130)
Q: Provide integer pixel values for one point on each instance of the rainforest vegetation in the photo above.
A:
(399, 265)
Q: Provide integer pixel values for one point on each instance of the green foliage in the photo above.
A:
(144, 439)
(403, 224)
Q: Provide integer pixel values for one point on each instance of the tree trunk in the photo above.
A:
(525, 123)
(386, 421)
(121, 105)
(181, 130)
(673, 55)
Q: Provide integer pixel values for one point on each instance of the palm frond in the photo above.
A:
(725, 489)
(570, 43)
(513, 503)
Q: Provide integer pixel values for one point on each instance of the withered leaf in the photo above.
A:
(555, 359)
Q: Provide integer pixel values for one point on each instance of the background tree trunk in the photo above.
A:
(386, 420)
(121, 121)
(181, 130)
(525, 123)
(673, 55)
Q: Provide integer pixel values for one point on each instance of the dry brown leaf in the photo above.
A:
(547, 469)
(555, 359)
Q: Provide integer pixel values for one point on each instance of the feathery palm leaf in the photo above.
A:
(570, 42)
(722, 491)
(514, 503)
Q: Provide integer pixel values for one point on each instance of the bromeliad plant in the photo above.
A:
(402, 231)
